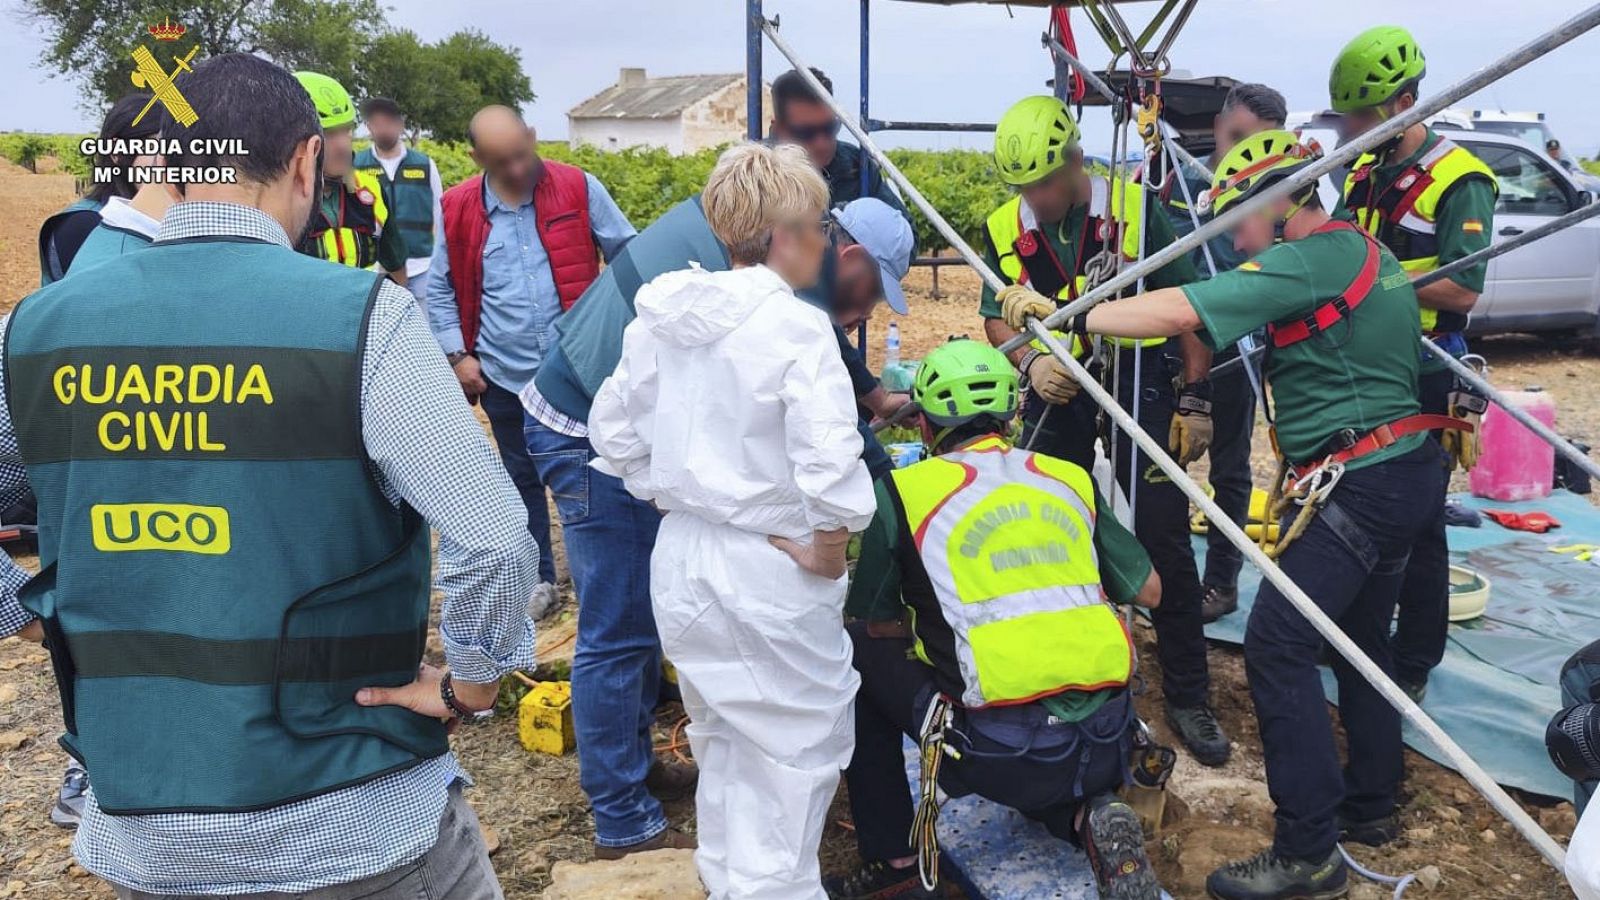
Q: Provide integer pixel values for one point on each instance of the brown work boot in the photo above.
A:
(671, 782)
(669, 839)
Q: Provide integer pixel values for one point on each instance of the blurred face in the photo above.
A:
(812, 126)
(1233, 125)
(857, 286)
(339, 151)
(509, 155)
(1054, 195)
(385, 129)
(1360, 121)
(796, 250)
(1258, 232)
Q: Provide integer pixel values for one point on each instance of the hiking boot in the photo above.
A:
(668, 839)
(1114, 842)
(68, 811)
(1415, 689)
(1198, 728)
(877, 880)
(1268, 876)
(1218, 602)
(671, 783)
(1372, 832)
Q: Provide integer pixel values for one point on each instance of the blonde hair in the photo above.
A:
(755, 188)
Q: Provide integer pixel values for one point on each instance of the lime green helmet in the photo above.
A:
(1254, 163)
(1374, 67)
(334, 106)
(963, 380)
(1033, 138)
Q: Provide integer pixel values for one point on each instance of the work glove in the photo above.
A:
(1190, 435)
(824, 556)
(1018, 302)
(1463, 447)
(1050, 379)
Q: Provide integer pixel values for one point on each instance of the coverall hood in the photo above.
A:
(694, 307)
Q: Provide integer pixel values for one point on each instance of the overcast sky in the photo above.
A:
(949, 63)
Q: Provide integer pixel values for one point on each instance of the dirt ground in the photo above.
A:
(537, 814)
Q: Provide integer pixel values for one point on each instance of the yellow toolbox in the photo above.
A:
(544, 718)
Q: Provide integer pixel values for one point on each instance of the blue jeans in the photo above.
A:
(616, 672)
(1351, 561)
(504, 410)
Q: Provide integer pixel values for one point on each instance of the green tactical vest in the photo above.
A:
(220, 571)
(410, 198)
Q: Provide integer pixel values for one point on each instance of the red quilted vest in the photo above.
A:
(561, 214)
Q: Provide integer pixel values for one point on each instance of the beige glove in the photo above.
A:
(1051, 380)
(824, 556)
(1463, 447)
(1018, 302)
(1190, 435)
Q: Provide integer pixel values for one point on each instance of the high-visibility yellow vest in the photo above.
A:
(353, 239)
(1007, 538)
(1014, 218)
(1403, 218)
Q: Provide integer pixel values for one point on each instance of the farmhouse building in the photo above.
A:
(683, 113)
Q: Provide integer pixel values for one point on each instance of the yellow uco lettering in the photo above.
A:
(173, 527)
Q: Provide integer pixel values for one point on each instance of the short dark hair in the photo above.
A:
(979, 426)
(1263, 102)
(119, 124)
(791, 86)
(381, 106)
(1412, 87)
(244, 97)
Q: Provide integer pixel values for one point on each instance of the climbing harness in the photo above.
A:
(925, 825)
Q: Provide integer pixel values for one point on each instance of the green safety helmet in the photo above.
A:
(334, 106)
(963, 380)
(1033, 138)
(1373, 67)
(1254, 163)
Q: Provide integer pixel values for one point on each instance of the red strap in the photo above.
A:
(1387, 435)
(1325, 316)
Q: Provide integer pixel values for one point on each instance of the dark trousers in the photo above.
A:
(1160, 510)
(1066, 765)
(504, 410)
(1424, 620)
(1350, 561)
(1233, 416)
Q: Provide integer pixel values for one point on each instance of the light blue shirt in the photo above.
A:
(520, 303)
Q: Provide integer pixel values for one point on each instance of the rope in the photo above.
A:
(1399, 883)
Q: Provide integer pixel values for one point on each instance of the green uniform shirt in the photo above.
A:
(1358, 375)
(875, 591)
(1066, 237)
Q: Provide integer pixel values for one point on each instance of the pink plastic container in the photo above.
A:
(1516, 463)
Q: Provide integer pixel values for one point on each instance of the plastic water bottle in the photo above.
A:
(1516, 464)
(891, 347)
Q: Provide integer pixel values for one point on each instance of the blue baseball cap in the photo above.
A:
(886, 235)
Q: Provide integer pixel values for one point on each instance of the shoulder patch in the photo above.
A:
(1472, 226)
(366, 197)
(1250, 265)
(1395, 281)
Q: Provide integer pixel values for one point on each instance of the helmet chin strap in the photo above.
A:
(1282, 223)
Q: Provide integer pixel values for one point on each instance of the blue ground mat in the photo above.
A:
(1497, 686)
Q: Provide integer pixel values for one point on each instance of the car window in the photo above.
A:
(1528, 186)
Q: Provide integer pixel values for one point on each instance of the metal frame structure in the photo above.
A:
(1041, 330)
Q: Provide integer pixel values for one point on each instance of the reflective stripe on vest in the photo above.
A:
(1403, 218)
(1007, 538)
(353, 240)
(411, 195)
(1015, 218)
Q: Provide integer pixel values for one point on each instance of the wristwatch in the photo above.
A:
(456, 357)
(447, 691)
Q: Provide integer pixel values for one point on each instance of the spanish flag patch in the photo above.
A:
(1472, 226)
(1250, 266)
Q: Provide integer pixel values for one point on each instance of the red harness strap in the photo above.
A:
(1325, 316)
(1386, 436)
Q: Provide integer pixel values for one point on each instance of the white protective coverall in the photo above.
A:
(1583, 855)
(732, 411)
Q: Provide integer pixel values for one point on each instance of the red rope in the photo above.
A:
(1061, 18)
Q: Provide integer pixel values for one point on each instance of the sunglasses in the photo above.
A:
(805, 134)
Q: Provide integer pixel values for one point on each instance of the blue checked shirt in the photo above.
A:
(427, 450)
